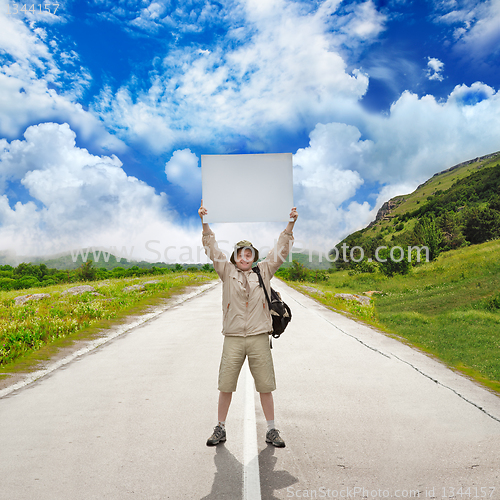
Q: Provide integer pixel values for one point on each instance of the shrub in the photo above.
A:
(482, 224)
(7, 283)
(297, 272)
(428, 234)
(363, 267)
(317, 275)
(493, 303)
(26, 282)
(391, 267)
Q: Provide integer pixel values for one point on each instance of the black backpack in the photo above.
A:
(280, 312)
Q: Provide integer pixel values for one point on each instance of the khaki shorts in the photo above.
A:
(260, 361)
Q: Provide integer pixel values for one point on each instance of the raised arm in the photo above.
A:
(211, 248)
(279, 253)
(202, 211)
(293, 215)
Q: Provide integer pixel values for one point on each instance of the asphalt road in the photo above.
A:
(363, 416)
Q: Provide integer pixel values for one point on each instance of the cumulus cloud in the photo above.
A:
(78, 199)
(434, 69)
(182, 169)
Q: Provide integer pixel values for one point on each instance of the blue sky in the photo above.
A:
(107, 106)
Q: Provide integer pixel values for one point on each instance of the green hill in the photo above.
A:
(455, 208)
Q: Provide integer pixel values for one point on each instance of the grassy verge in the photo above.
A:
(34, 330)
(449, 308)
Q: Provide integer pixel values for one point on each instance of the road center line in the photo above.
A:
(251, 477)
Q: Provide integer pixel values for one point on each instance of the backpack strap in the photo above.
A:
(256, 270)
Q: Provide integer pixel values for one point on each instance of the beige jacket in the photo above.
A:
(246, 312)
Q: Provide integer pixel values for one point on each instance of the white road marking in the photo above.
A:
(251, 477)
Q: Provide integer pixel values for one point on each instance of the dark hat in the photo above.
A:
(244, 244)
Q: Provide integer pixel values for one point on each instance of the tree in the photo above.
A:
(87, 271)
(482, 224)
(453, 236)
(427, 233)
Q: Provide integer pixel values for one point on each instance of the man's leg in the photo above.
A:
(224, 402)
(233, 356)
(273, 435)
(219, 435)
(267, 402)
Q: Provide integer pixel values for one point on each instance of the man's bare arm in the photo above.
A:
(293, 215)
(202, 211)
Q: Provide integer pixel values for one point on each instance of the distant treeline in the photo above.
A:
(27, 275)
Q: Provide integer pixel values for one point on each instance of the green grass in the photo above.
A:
(32, 332)
(449, 308)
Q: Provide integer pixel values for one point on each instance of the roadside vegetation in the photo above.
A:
(449, 307)
(29, 275)
(49, 313)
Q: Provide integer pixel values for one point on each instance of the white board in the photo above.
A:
(248, 187)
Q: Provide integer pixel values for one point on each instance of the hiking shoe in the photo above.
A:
(273, 437)
(219, 436)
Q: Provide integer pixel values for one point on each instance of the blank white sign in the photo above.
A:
(248, 187)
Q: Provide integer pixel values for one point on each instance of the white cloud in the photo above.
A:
(29, 79)
(182, 169)
(287, 75)
(434, 69)
(478, 35)
(281, 68)
(362, 21)
(79, 199)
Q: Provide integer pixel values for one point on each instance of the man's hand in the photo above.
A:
(202, 211)
(293, 217)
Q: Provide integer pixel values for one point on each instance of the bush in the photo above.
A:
(493, 303)
(427, 233)
(391, 267)
(7, 283)
(297, 272)
(363, 267)
(317, 275)
(482, 225)
(26, 282)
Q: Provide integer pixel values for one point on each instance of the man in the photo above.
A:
(246, 322)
